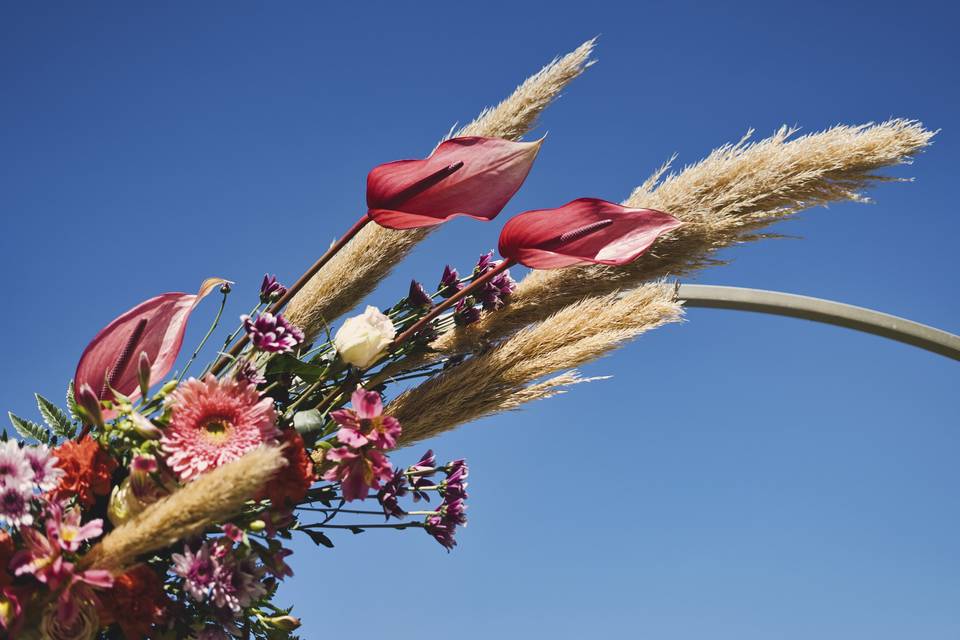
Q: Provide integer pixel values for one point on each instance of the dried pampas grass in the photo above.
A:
(355, 271)
(723, 200)
(500, 379)
(518, 114)
(212, 498)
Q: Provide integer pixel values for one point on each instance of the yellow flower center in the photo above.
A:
(217, 430)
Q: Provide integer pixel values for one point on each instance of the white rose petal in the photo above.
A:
(362, 340)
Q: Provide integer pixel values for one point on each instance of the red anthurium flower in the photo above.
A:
(471, 176)
(154, 327)
(584, 230)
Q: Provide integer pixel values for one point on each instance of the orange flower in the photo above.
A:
(136, 602)
(87, 470)
(289, 486)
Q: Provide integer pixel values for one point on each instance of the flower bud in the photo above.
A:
(89, 405)
(283, 623)
(168, 387)
(257, 526)
(363, 339)
(144, 427)
(143, 373)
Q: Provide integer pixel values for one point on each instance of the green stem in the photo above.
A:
(216, 321)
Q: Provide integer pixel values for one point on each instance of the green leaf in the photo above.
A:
(29, 429)
(286, 363)
(72, 404)
(55, 418)
(319, 538)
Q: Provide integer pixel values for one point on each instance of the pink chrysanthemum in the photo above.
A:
(215, 422)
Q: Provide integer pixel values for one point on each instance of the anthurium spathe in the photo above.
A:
(586, 230)
(470, 176)
(154, 327)
(583, 231)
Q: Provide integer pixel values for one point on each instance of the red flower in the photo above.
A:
(6, 553)
(473, 177)
(289, 485)
(87, 470)
(136, 602)
(154, 327)
(581, 231)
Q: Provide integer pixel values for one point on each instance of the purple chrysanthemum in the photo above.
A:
(442, 531)
(46, 473)
(199, 570)
(465, 312)
(421, 474)
(484, 264)
(248, 372)
(215, 574)
(272, 333)
(449, 282)
(418, 296)
(270, 289)
(390, 494)
(15, 469)
(15, 506)
(494, 292)
(237, 584)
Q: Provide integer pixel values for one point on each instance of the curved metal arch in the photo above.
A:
(820, 310)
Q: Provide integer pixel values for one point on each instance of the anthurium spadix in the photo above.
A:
(151, 332)
(584, 231)
(473, 177)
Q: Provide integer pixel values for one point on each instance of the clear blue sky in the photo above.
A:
(758, 478)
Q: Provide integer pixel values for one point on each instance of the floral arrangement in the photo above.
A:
(160, 505)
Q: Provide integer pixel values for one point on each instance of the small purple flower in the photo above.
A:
(484, 264)
(390, 494)
(494, 292)
(270, 289)
(248, 372)
(272, 334)
(418, 296)
(465, 312)
(454, 512)
(457, 466)
(15, 506)
(421, 474)
(442, 531)
(199, 571)
(238, 583)
(449, 282)
(15, 469)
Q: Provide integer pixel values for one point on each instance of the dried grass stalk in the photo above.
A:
(354, 272)
(518, 113)
(213, 498)
(724, 199)
(500, 379)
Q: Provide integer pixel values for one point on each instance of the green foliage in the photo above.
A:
(286, 363)
(55, 418)
(29, 429)
(319, 538)
(72, 404)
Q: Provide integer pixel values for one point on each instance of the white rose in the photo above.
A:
(363, 339)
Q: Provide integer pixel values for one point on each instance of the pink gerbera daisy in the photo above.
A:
(215, 422)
